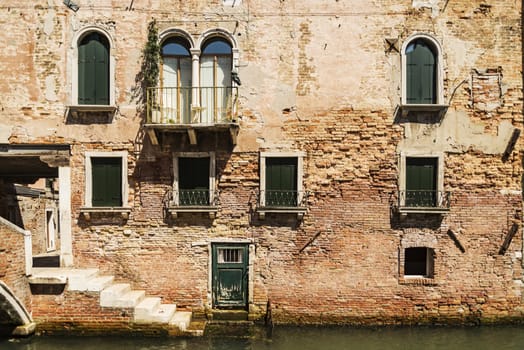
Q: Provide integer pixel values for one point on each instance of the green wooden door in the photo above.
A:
(93, 70)
(421, 182)
(281, 182)
(106, 181)
(421, 74)
(230, 275)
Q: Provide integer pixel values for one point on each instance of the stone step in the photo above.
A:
(145, 308)
(109, 295)
(99, 283)
(181, 319)
(149, 310)
(164, 313)
(130, 299)
(78, 278)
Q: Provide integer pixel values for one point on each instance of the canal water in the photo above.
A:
(298, 338)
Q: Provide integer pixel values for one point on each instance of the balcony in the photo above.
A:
(424, 202)
(284, 202)
(191, 109)
(192, 201)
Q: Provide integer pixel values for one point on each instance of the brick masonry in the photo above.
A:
(12, 264)
(317, 77)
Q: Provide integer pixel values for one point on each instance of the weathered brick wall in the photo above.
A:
(80, 313)
(317, 77)
(12, 263)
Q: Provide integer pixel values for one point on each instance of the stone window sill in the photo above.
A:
(417, 281)
(174, 210)
(298, 211)
(438, 109)
(87, 211)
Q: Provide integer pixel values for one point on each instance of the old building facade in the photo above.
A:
(332, 161)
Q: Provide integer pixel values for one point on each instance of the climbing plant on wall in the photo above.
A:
(151, 56)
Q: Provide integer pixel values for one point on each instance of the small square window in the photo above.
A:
(230, 255)
(418, 262)
(106, 179)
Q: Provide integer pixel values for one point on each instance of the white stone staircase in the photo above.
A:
(147, 310)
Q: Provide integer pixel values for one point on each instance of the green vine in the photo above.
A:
(151, 56)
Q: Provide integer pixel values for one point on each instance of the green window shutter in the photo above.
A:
(101, 73)
(106, 181)
(281, 181)
(421, 74)
(93, 70)
(421, 181)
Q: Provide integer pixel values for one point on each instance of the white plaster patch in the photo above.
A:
(431, 4)
(457, 133)
(50, 88)
(49, 23)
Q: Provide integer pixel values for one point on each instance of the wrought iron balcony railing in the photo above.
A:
(270, 198)
(191, 201)
(191, 105)
(198, 198)
(424, 200)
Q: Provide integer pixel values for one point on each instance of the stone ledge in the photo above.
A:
(418, 281)
(87, 211)
(175, 210)
(298, 211)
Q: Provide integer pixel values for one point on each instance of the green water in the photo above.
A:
(294, 338)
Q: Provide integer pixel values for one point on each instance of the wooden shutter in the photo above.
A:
(421, 181)
(281, 181)
(101, 72)
(93, 70)
(106, 181)
(421, 74)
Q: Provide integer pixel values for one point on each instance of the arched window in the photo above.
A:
(93, 70)
(421, 72)
(216, 63)
(175, 80)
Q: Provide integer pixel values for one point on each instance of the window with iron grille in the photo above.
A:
(281, 182)
(193, 181)
(421, 182)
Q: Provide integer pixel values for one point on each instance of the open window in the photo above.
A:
(197, 83)
(174, 97)
(106, 183)
(422, 81)
(281, 183)
(421, 185)
(418, 262)
(194, 183)
(216, 63)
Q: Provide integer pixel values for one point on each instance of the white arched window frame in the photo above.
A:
(176, 79)
(440, 102)
(73, 58)
(223, 108)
